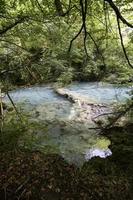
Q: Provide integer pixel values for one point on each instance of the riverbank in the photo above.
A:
(33, 175)
(28, 173)
(10, 86)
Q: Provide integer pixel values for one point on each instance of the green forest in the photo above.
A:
(66, 100)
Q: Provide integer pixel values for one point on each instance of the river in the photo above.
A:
(60, 130)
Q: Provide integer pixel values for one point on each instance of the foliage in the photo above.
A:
(9, 136)
(36, 35)
(18, 133)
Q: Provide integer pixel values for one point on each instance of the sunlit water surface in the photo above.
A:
(62, 134)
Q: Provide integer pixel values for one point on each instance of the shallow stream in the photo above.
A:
(60, 131)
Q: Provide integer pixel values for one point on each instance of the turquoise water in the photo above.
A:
(65, 135)
(102, 92)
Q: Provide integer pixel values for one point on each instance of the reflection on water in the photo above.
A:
(64, 134)
(73, 141)
(95, 152)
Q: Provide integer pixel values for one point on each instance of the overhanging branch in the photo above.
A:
(74, 38)
(119, 18)
(12, 43)
(12, 25)
(118, 14)
(97, 48)
(122, 44)
(59, 8)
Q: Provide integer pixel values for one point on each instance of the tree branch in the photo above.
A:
(97, 48)
(24, 49)
(118, 14)
(120, 114)
(59, 8)
(122, 44)
(12, 25)
(70, 46)
(40, 7)
(84, 12)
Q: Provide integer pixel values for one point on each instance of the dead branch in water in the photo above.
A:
(115, 119)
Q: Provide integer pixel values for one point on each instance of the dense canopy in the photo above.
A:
(44, 40)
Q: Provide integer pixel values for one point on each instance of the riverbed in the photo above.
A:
(60, 129)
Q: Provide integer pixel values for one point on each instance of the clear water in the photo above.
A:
(35, 95)
(41, 99)
(101, 92)
(64, 134)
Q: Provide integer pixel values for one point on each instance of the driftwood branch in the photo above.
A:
(115, 119)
